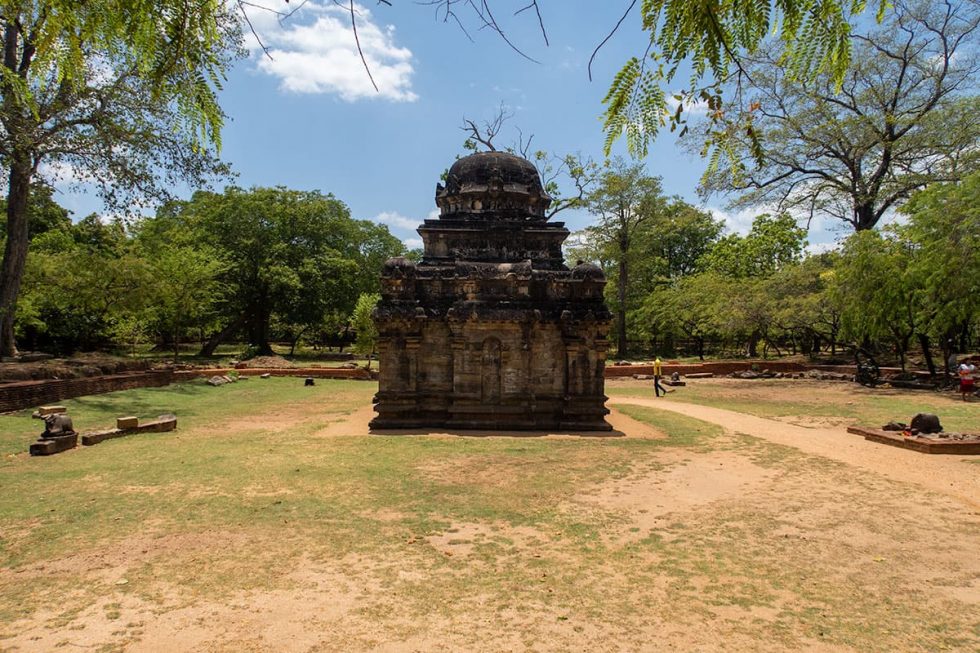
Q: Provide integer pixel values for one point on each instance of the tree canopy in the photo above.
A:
(902, 116)
(295, 255)
(118, 93)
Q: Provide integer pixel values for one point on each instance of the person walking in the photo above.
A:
(658, 371)
(966, 379)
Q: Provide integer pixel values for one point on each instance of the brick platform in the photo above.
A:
(27, 394)
(723, 368)
(916, 443)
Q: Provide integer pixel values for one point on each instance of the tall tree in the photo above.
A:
(293, 254)
(906, 115)
(184, 286)
(669, 245)
(120, 93)
(772, 243)
(43, 213)
(364, 327)
(944, 225)
(625, 198)
(881, 294)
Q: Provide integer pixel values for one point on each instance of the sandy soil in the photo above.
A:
(763, 542)
(941, 473)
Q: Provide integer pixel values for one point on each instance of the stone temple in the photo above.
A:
(491, 330)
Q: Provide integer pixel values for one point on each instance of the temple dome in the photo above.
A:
(498, 183)
(588, 271)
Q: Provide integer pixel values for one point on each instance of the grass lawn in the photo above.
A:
(252, 529)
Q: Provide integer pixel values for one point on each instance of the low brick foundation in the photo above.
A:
(28, 394)
(723, 368)
(923, 445)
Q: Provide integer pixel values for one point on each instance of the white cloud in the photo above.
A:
(314, 51)
(738, 222)
(824, 233)
(433, 214)
(820, 248)
(63, 173)
(413, 243)
(695, 108)
(397, 220)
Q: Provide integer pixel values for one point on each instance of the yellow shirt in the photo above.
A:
(658, 368)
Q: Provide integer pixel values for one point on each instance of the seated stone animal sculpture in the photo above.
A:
(56, 426)
(926, 423)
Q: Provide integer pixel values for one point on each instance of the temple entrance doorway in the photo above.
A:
(490, 371)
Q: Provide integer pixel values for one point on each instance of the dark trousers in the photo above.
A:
(657, 388)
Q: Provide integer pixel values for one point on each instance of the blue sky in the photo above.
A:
(309, 118)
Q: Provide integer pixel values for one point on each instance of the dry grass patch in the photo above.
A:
(285, 540)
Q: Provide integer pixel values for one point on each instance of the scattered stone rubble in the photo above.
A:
(818, 375)
(223, 380)
(267, 362)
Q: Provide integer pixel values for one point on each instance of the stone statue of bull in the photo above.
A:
(56, 425)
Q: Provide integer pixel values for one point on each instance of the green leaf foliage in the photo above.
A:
(903, 116)
(771, 244)
(712, 37)
(297, 255)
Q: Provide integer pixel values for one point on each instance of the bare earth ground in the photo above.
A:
(769, 534)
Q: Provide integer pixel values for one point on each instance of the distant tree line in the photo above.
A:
(253, 266)
(913, 287)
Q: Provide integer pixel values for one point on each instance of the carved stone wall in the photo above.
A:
(491, 329)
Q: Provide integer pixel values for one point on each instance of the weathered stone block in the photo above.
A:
(158, 424)
(51, 410)
(49, 446)
(127, 422)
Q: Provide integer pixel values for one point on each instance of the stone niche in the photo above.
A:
(491, 330)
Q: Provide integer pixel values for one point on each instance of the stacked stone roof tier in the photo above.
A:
(492, 209)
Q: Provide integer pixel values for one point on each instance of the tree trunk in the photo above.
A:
(902, 343)
(948, 348)
(622, 348)
(259, 332)
(216, 339)
(772, 343)
(295, 341)
(924, 343)
(752, 346)
(15, 251)
(864, 217)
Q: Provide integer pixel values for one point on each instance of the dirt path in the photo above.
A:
(947, 474)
